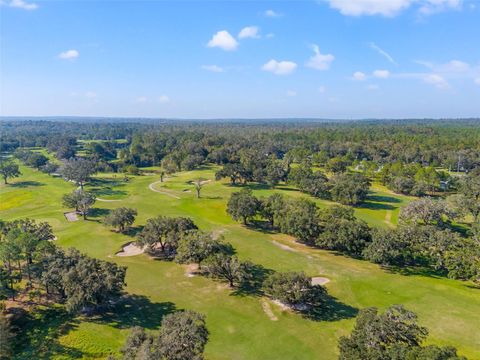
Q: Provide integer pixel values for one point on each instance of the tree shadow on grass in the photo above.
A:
(286, 188)
(415, 271)
(107, 191)
(331, 310)
(261, 225)
(98, 212)
(375, 206)
(133, 231)
(383, 199)
(39, 332)
(106, 182)
(135, 310)
(25, 184)
(252, 286)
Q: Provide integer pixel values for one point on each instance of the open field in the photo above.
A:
(241, 326)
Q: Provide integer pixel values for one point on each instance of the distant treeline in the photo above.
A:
(453, 144)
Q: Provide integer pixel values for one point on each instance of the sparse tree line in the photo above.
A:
(424, 237)
(182, 146)
(180, 240)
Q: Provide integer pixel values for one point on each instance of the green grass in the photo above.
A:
(239, 328)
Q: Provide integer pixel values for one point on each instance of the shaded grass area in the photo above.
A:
(239, 328)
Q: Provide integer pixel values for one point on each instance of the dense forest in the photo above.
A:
(435, 163)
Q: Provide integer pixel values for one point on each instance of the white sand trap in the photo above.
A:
(320, 280)
(71, 216)
(191, 270)
(266, 308)
(205, 182)
(284, 247)
(151, 187)
(217, 234)
(281, 305)
(130, 250)
(54, 239)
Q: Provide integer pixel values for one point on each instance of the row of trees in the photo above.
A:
(413, 179)
(422, 238)
(179, 239)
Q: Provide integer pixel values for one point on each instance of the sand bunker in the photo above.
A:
(191, 270)
(284, 247)
(217, 234)
(266, 308)
(107, 200)
(71, 216)
(130, 250)
(320, 280)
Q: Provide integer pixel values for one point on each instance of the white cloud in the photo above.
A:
(20, 4)
(434, 6)
(223, 40)
(320, 61)
(322, 89)
(381, 74)
(453, 66)
(390, 8)
(369, 7)
(69, 54)
(291, 93)
(373, 87)
(477, 81)
(436, 80)
(90, 95)
(164, 99)
(358, 75)
(213, 68)
(249, 32)
(141, 100)
(382, 52)
(280, 67)
(271, 13)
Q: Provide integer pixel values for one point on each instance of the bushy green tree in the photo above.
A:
(294, 289)
(342, 231)
(195, 246)
(350, 188)
(80, 200)
(376, 333)
(121, 218)
(299, 218)
(164, 233)
(182, 336)
(8, 169)
(229, 268)
(78, 170)
(83, 282)
(271, 206)
(426, 211)
(242, 205)
(36, 160)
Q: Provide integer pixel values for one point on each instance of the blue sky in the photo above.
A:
(231, 59)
